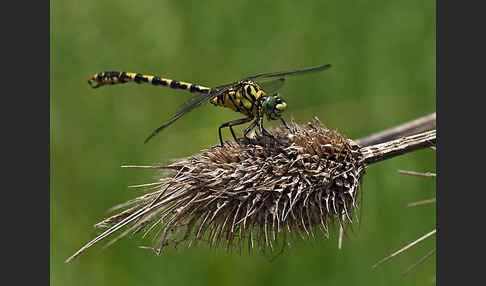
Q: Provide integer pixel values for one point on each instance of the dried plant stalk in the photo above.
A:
(412, 127)
(403, 249)
(429, 175)
(257, 195)
(421, 260)
(383, 151)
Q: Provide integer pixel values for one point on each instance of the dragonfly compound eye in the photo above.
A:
(269, 104)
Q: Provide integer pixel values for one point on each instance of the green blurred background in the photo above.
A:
(383, 55)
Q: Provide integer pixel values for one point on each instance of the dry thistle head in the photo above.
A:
(250, 194)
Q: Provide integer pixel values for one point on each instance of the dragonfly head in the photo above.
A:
(273, 106)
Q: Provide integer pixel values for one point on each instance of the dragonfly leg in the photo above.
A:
(268, 134)
(262, 130)
(249, 128)
(230, 125)
(284, 123)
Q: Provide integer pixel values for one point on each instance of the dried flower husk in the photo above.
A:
(254, 195)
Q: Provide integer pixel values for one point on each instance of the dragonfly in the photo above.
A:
(255, 96)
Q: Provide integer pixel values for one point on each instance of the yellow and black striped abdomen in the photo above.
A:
(115, 77)
(246, 98)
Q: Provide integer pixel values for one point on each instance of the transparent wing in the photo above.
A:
(294, 72)
(193, 102)
(187, 106)
(271, 86)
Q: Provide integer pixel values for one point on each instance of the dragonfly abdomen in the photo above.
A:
(116, 77)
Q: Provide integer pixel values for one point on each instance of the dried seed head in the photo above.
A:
(250, 195)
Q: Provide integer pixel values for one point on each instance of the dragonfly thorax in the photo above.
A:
(249, 98)
(245, 97)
